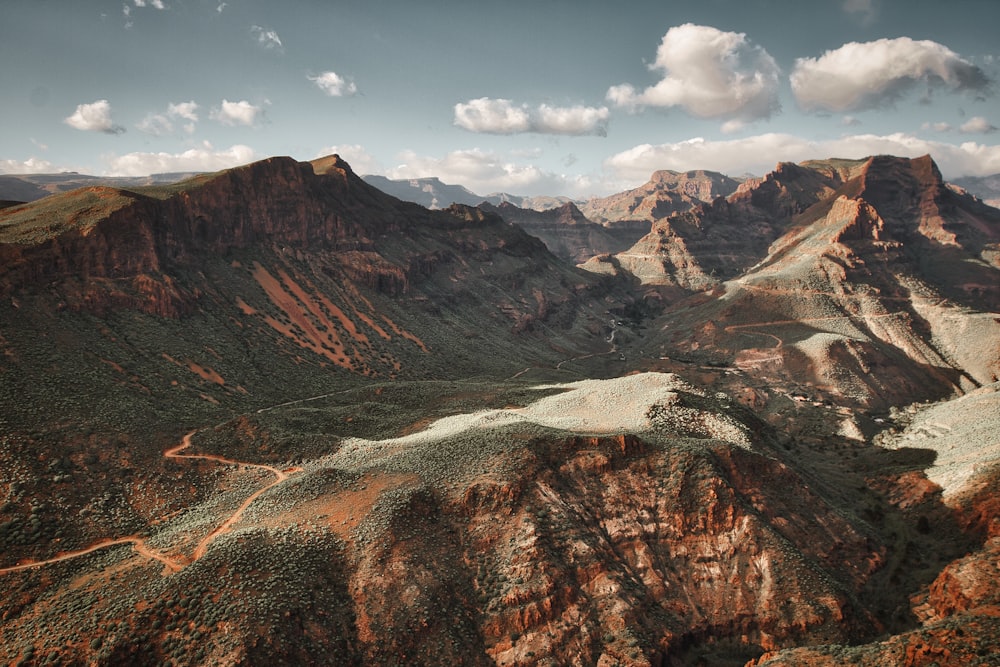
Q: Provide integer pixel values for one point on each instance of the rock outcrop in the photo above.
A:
(566, 232)
(666, 193)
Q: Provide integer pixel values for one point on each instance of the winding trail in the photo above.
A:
(749, 327)
(139, 544)
(279, 477)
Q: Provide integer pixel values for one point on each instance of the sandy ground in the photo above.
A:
(965, 435)
(588, 406)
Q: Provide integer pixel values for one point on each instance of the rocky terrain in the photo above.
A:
(275, 416)
(566, 232)
(986, 188)
(665, 193)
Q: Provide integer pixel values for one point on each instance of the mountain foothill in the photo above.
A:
(282, 414)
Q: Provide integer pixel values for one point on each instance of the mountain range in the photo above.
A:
(275, 415)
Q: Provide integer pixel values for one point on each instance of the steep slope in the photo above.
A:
(986, 188)
(958, 609)
(710, 242)
(665, 193)
(128, 317)
(565, 231)
(657, 528)
(275, 416)
(884, 290)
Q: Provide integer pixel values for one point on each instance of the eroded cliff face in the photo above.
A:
(666, 534)
(102, 234)
(878, 288)
(667, 192)
(566, 232)
(711, 242)
(957, 613)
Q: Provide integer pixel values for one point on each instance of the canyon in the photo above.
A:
(273, 415)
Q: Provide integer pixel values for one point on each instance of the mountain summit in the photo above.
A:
(273, 415)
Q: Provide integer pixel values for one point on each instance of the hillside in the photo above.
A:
(273, 415)
(665, 193)
(565, 231)
(986, 188)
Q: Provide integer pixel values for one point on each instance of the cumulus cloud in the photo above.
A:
(203, 158)
(94, 117)
(758, 154)
(158, 4)
(267, 38)
(501, 116)
(161, 124)
(936, 127)
(977, 125)
(236, 113)
(334, 85)
(187, 110)
(32, 165)
(361, 161)
(156, 124)
(869, 75)
(710, 74)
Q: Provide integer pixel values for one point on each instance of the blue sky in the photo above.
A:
(562, 97)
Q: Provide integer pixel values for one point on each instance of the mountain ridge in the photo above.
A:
(274, 415)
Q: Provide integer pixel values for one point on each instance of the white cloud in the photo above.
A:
(236, 113)
(186, 110)
(574, 120)
(267, 38)
(361, 161)
(710, 74)
(94, 117)
(501, 116)
(156, 124)
(849, 121)
(936, 127)
(204, 158)
(758, 154)
(870, 75)
(334, 85)
(977, 125)
(492, 116)
(30, 166)
(160, 124)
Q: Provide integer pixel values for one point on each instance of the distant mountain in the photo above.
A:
(986, 188)
(666, 192)
(274, 415)
(30, 187)
(565, 231)
(433, 194)
(824, 271)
